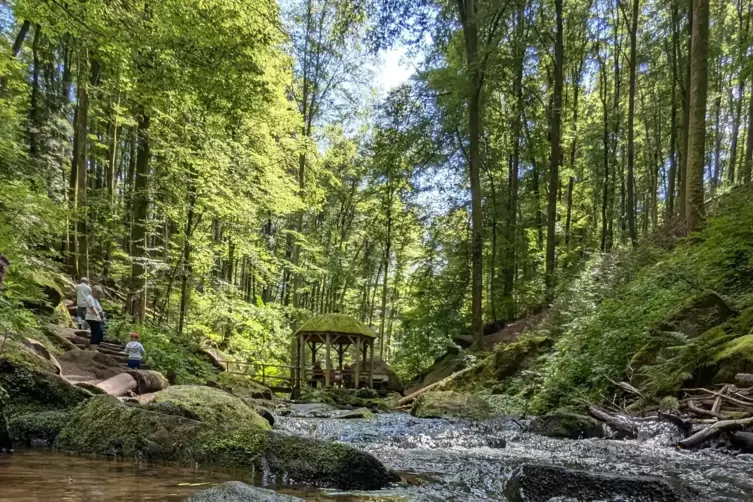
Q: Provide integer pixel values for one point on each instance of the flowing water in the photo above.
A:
(438, 460)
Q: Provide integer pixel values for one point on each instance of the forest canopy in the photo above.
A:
(230, 168)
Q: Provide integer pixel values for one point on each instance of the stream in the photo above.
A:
(439, 460)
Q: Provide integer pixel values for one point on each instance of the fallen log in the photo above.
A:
(148, 381)
(714, 431)
(119, 385)
(700, 411)
(410, 398)
(731, 399)
(620, 424)
(717, 406)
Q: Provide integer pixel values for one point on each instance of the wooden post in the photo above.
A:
(302, 361)
(357, 370)
(371, 366)
(329, 360)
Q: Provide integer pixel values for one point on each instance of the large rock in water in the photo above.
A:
(566, 426)
(105, 426)
(541, 483)
(213, 406)
(235, 491)
(450, 404)
(38, 429)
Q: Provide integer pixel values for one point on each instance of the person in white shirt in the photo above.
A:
(82, 292)
(95, 316)
(135, 351)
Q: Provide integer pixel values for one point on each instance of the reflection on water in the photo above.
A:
(43, 475)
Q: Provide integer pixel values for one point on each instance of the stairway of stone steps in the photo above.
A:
(109, 346)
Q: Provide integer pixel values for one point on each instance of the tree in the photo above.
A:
(631, 126)
(695, 210)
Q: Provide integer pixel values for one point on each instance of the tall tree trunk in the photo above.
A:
(748, 166)
(604, 95)
(17, 44)
(631, 127)
(110, 184)
(140, 211)
(683, 171)
(185, 289)
(695, 211)
(569, 211)
(34, 121)
(512, 208)
(469, 21)
(82, 96)
(670, 207)
(556, 147)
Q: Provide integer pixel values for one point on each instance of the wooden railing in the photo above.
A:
(253, 369)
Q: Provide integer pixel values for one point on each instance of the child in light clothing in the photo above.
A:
(135, 352)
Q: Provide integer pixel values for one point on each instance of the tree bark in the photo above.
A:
(695, 211)
(556, 153)
(140, 210)
(82, 96)
(569, 211)
(683, 171)
(748, 166)
(631, 127)
(185, 290)
(469, 21)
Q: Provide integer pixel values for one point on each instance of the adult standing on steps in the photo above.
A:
(82, 293)
(95, 317)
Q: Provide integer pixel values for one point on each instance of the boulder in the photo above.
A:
(312, 410)
(242, 386)
(451, 404)
(54, 334)
(743, 441)
(106, 426)
(698, 315)
(119, 385)
(42, 351)
(32, 390)
(148, 381)
(5, 442)
(38, 429)
(444, 366)
(541, 483)
(393, 383)
(213, 406)
(90, 362)
(350, 414)
(235, 491)
(566, 426)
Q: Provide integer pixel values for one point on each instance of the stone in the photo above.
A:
(698, 315)
(42, 351)
(38, 429)
(451, 404)
(106, 426)
(351, 414)
(541, 483)
(242, 386)
(148, 381)
(213, 406)
(32, 390)
(566, 426)
(312, 410)
(496, 442)
(235, 491)
(743, 441)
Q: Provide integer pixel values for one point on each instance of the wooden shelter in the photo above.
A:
(341, 336)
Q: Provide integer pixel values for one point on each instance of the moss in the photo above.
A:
(450, 404)
(105, 426)
(336, 323)
(38, 428)
(733, 357)
(698, 314)
(669, 403)
(31, 390)
(212, 406)
(566, 425)
(242, 386)
(743, 323)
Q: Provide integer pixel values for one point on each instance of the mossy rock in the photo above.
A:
(38, 429)
(735, 356)
(698, 315)
(106, 426)
(450, 404)
(242, 386)
(235, 491)
(32, 390)
(213, 406)
(566, 426)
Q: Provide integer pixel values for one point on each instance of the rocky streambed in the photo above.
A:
(437, 460)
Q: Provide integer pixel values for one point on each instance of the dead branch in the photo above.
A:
(714, 431)
(700, 411)
(620, 424)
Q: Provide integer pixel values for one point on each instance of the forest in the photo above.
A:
(229, 168)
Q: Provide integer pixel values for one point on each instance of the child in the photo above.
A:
(135, 352)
